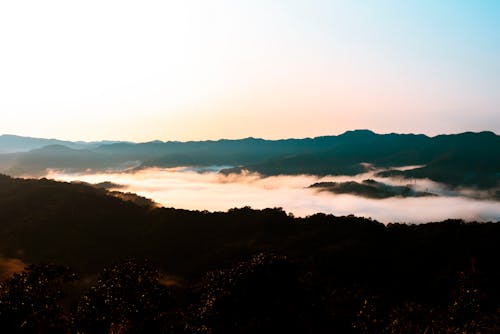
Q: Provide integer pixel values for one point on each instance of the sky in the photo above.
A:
(191, 70)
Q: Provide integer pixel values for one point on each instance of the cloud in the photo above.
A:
(188, 189)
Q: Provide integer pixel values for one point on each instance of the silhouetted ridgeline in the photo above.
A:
(466, 159)
(314, 275)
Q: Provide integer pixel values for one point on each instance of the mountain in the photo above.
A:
(466, 159)
(13, 144)
(37, 161)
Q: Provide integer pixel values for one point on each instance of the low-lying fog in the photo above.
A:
(188, 188)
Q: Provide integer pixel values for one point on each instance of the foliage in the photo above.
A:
(127, 298)
(30, 301)
(334, 274)
(263, 295)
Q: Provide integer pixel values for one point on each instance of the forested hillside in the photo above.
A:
(466, 159)
(323, 268)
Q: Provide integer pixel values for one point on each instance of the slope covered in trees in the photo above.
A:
(466, 159)
(331, 267)
(369, 188)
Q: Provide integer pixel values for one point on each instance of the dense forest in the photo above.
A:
(95, 262)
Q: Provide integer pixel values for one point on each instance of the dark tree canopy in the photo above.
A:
(241, 271)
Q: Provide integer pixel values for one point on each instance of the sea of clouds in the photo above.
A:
(207, 189)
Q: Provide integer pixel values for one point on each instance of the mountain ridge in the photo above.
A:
(464, 159)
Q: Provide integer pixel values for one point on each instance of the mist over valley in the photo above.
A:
(249, 167)
(192, 189)
(388, 177)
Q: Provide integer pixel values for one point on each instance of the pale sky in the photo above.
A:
(208, 69)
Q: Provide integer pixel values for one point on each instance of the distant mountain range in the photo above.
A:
(465, 159)
(13, 144)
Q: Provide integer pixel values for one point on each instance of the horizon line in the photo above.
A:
(246, 138)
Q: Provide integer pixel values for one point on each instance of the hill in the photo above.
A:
(87, 227)
(14, 144)
(369, 188)
(334, 269)
(466, 159)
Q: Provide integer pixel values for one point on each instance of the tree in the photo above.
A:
(30, 301)
(127, 298)
(263, 295)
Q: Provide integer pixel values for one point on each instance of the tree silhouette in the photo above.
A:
(127, 298)
(30, 301)
(263, 295)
